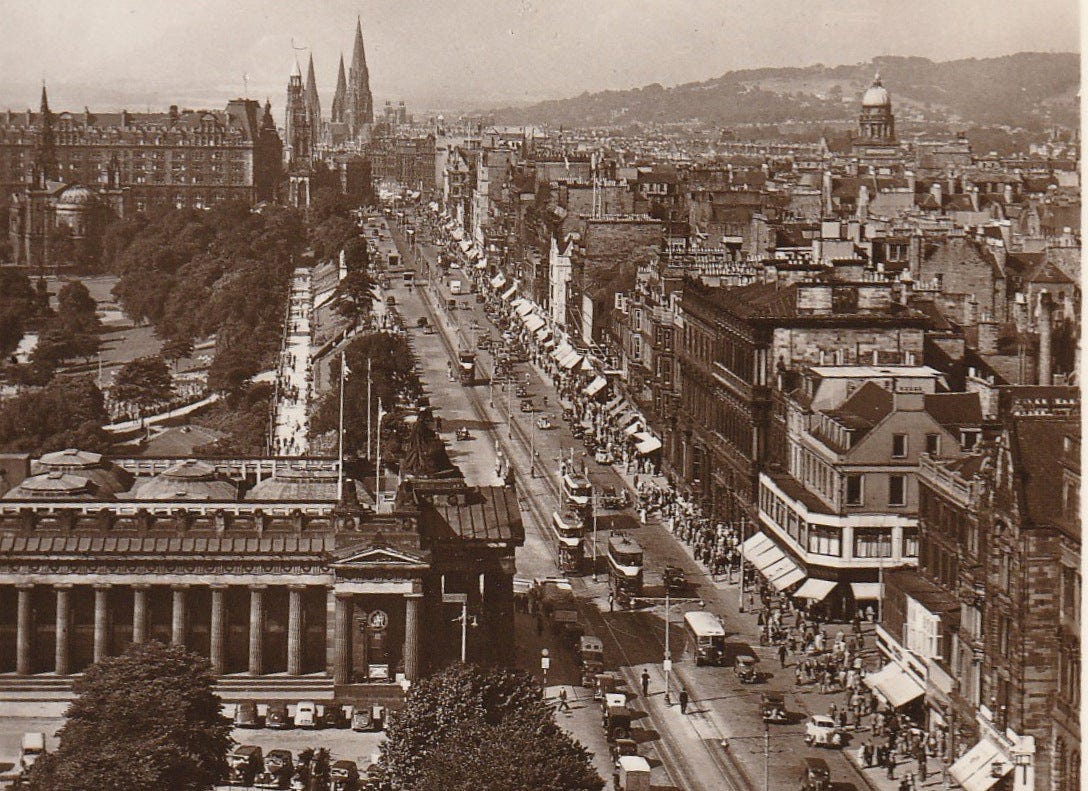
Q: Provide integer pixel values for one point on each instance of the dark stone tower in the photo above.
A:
(45, 167)
(297, 121)
(340, 97)
(359, 108)
(313, 104)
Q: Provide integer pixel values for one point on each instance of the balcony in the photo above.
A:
(943, 477)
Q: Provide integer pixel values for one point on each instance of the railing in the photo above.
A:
(934, 472)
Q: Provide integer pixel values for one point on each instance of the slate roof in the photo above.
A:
(864, 409)
(491, 513)
(953, 410)
(162, 546)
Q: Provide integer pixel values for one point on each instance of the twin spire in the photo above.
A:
(352, 103)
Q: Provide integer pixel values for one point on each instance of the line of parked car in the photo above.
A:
(249, 767)
(308, 714)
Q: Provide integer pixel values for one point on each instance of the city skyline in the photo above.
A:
(470, 55)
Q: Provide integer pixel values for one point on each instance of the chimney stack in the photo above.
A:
(987, 336)
(1046, 357)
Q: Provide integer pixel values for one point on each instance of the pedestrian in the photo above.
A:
(867, 754)
(611, 602)
(563, 705)
(889, 764)
(645, 683)
(782, 652)
(683, 701)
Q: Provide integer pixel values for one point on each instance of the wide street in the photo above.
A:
(689, 747)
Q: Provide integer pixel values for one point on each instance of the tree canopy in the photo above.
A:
(145, 381)
(469, 728)
(142, 721)
(20, 305)
(68, 414)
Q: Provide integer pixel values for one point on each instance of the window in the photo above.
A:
(1004, 634)
(910, 542)
(933, 444)
(854, 491)
(1070, 594)
(897, 490)
(872, 543)
(968, 439)
(899, 446)
(825, 541)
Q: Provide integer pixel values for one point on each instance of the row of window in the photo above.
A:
(897, 489)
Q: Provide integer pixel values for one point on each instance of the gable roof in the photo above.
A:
(953, 410)
(870, 404)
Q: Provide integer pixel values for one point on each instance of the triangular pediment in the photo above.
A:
(373, 556)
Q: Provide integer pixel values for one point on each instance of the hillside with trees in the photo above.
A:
(1031, 90)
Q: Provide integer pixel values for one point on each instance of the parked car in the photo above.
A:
(617, 723)
(306, 714)
(368, 718)
(332, 716)
(344, 776)
(277, 716)
(544, 423)
(245, 716)
(773, 707)
(278, 769)
(527, 406)
(821, 731)
(244, 763)
(521, 392)
(815, 775)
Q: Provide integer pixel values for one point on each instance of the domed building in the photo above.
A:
(107, 476)
(875, 143)
(296, 484)
(57, 486)
(188, 480)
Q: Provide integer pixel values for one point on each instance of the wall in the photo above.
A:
(802, 346)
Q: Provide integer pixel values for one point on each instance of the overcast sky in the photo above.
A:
(455, 53)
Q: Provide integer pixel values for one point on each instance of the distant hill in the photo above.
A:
(1028, 89)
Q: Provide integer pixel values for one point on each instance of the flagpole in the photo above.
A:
(340, 434)
(368, 418)
(378, 465)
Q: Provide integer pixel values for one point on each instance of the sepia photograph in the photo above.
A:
(540, 395)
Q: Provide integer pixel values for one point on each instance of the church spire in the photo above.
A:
(46, 155)
(359, 107)
(313, 102)
(340, 96)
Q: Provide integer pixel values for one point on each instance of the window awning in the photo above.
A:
(509, 292)
(561, 351)
(525, 308)
(894, 685)
(457, 234)
(815, 589)
(571, 360)
(755, 545)
(633, 422)
(596, 386)
(543, 333)
(550, 342)
(611, 405)
(974, 771)
(866, 591)
(465, 245)
(647, 443)
(615, 407)
(587, 365)
(791, 576)
(533, 322)
(498, 281)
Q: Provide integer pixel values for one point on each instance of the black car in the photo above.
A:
(277, 716)
(246, 715)
(332, 716)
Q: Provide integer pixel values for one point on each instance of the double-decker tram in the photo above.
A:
(624, 566)
(568, 532)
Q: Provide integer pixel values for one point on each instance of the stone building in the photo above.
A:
(253, 563)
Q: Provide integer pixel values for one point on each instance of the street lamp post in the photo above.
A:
(545, 662)
(593, 511)
(667, 664)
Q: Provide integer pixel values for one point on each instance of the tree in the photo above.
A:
(145, 381)
(176, 349)
(145, 720)
(355, 296)
(20, 305)
(66, 414)
(76, 308)
(468, 728)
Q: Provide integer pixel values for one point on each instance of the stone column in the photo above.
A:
(101, 622)
(342, 645)
(218, 629)
(139, 612)
(64, 621)
(177, 621)
(24, 628)
(294, 630)
(412, 604)
(256, 629)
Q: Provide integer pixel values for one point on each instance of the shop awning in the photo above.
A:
(473, 253)
(561, 351)
(465, 245)
(596, 386)
(525, 308)
(498, 281)
(587, 365)
(571, 360)
(815, 589)
(866, 591)
(550, 342)
(647, 443)
(632, 422)
(611, 405)
(974, 771)
(457, 234)
(533, 322)
(509, 292)
(543, 333)
(791, 576)
(894, 685)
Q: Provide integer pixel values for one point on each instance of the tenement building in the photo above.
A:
(254, 564)
(177, 158)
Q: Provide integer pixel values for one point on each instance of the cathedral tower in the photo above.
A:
(313, 104)
(340, 96)
(359, 109)
(297, 122)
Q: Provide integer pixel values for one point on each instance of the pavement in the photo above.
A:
(291, 426)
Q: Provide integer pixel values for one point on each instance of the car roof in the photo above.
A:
(816, 763)
(822, 718)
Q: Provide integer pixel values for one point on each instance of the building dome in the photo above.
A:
(296, 484)
(56, 486)
(107, 476)
(876, 96)
(188, 480)
(76, 196)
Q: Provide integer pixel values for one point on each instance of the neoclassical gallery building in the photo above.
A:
(253, 563)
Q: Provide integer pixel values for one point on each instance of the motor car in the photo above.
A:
(278, 769)
(277, 716)
(306, 714)
(391, 301)
(632, 773)
(368, 718)
(821, 731)
(622, 747)
(602, 456)
(521, 392)
(244, 763)
(332, 716)
(33, 748)
(528, 406)
(576, 430)
(745, 668)
(463, 433)
(773, 707)
(617, 723)
(591, 658)
(613, 498)
(544, 423)
(607, 684)
(674, 578)
(245, 716)
(344, 776)
(815, 775)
